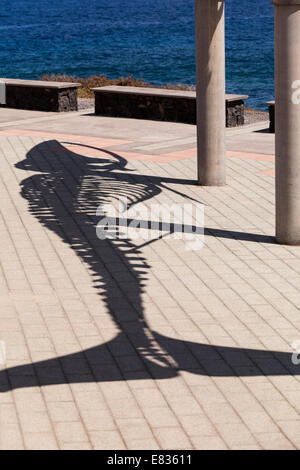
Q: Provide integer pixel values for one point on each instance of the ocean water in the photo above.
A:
(151, 39)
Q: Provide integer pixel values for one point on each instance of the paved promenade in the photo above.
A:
(124, 344)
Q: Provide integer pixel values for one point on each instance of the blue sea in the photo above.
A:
(151, 39)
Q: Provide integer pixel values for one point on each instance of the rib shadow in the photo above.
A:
(63, 196)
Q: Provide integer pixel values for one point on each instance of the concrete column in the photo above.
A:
(287, 120)
(210, 67)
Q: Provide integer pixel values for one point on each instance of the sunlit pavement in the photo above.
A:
(128, 344)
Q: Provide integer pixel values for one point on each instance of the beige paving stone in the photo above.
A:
(281, 410)
(8, 414)
(243, 402)
(116, 390)
(70, 432)
(125, 409)
(40, 441)
(245, 447)
(236, 434)
(35, 422)
(6, 398)
(288, 383)
(144, 444)
(160, 417)
(11, 437)
(30, 402)
(97, 420)
(198, 425)
(135, 381)
(221, 413)
(172, 438)
(76, 446)
(150, 398)
(184, 405)
(57, 393)
(107, 440)
(63, 412)
(293, 398)
(291, 430)
(208, 443)
(259, 422)
(40, 344)
(132, 429)
(266, 392)
(274, 441)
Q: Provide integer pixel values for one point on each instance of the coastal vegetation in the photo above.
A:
(101, 80)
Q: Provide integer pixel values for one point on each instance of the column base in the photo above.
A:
(287, 240)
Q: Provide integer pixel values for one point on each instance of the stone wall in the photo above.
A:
(160, 107)
(41, 98)
(235, 113)
(272, 116)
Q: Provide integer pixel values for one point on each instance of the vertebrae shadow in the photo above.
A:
(63, 196)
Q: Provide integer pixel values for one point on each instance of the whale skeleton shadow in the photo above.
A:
(63, 196)
(107, 363)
